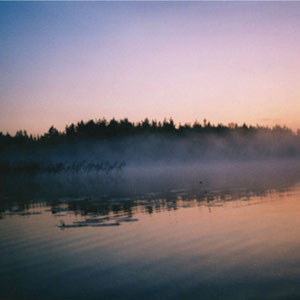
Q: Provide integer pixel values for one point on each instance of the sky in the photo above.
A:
(62, 62)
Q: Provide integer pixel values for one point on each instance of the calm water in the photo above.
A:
(236, 243)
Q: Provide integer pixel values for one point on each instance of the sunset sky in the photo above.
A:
(63, 62)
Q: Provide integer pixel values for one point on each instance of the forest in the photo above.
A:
(107, 145)
(102, 130)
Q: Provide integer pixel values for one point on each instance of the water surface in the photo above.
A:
(195, 243)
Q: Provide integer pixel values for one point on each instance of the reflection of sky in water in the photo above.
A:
(226, 244)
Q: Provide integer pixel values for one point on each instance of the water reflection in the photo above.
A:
(233, 236)
(105, 211)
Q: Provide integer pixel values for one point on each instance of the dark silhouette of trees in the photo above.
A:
(70, 131)
(102, 130)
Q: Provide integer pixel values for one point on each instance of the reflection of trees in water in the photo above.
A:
(144, 190)
(115, 208)
(53, 168)
(134, 181)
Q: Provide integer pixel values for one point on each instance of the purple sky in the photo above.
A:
(62, 62)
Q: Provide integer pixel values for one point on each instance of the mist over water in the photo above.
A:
(143, 149)
(130, 165)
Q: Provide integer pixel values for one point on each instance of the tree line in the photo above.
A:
(104, 129)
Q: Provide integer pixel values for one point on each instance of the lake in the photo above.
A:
(204, 241)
